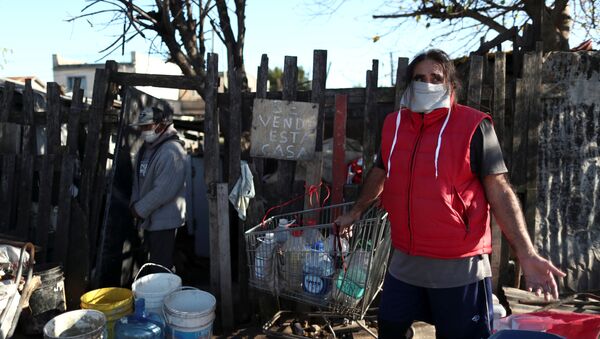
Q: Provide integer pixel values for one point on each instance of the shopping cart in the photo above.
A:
(299, 256)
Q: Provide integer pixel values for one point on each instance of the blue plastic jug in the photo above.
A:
(140, 324)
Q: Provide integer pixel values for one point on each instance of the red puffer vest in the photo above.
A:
(437, 206)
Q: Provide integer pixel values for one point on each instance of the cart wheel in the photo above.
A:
(410, 333)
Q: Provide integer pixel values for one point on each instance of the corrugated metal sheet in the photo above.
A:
(568, 205)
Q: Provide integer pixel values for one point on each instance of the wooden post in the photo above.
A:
(475, 81)
(226, 301)
(47, 174)
(8, 157)
(235, 136)
(261, 93)
(401, 82)
(339, 148)
(90, 158)
(287, 168)
(500, 249)
(66, 175)
(371, 123)
(211, 161)
(533, 78)
(26, 165)
(519, 144)
(99, 183)
(314, 167)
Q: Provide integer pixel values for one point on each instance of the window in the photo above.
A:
(71, 83)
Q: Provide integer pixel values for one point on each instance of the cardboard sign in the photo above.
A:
(284, 130)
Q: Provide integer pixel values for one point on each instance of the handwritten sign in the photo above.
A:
(284, 130)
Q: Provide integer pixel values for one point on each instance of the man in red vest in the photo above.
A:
(439, 172)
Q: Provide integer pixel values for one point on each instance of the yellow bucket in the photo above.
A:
(114, 302)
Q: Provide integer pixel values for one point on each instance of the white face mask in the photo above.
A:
(150, 136)
(424, 97)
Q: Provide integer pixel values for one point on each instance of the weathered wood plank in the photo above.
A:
(339, 149)
(226, 301)
(314, 167)
(7, 191)
(157, 80)
(99, 178)
(533, 77)
(286, 168)
(234, 171)
(519, 144)
(371, 122)
(499, 259)
(211, 160)
(53, 127)
(44, 205)
(401, 81)
(26, 162)
(475, 81)
(7, 101)
(261, 92)
(61, 240)
(90, 158)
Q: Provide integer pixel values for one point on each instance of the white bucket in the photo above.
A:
(189, 313)
(80, 324)
(153, 288)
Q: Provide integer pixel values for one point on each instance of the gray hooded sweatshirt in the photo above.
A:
(158, 193)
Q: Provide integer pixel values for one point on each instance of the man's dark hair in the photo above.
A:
(440, 57)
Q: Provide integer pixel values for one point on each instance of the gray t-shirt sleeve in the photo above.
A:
(486, 153)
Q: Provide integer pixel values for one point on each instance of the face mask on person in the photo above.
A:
(424, 97)
(150, 136)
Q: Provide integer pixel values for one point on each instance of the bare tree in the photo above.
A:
(554, 17)
(181, 26)
(489, 18)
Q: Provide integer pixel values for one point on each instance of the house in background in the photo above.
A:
(186, 104)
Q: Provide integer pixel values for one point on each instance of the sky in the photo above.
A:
(33, 30)
(275, 27)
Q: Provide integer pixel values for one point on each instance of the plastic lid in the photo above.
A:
(283, 222)
(318, 246)
(269, 237)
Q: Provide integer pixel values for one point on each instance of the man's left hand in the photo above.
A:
(539, 276)
(134, 213)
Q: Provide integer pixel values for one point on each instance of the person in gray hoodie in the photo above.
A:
(158, 194)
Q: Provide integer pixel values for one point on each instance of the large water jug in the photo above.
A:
(140, 324)
(263, 268)
(317, 270)
(349, 285)
(294, 251)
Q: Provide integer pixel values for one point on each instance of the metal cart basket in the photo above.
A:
(299, 256)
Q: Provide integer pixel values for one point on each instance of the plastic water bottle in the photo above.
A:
(312, 236)
(332, 246)
(263, 268)
(282, 232)
(294, 251)
(318, 271)
(349, 285)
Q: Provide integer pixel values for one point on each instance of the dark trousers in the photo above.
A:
(160, 246)
(458, 312)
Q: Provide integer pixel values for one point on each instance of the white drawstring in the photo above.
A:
(439, 141)
(389, 164)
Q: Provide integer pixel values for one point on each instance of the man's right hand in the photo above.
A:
(344, 223)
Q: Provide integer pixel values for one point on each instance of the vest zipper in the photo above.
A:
(410, 182)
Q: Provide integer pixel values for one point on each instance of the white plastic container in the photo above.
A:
(189, 313)
(263, 268)
(294, 251)
(153, 288)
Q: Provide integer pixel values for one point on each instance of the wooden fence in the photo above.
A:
(47, 179)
